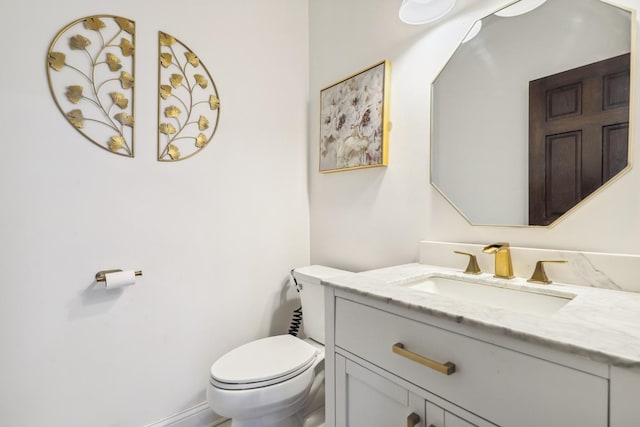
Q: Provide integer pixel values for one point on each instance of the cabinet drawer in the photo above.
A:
(504, 386)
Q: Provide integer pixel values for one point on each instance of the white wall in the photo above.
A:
(370, 218)
(215, 235)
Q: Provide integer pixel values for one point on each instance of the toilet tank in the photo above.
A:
(312, 297)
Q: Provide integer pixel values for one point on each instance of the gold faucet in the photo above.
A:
(503, 268)
(539, 275)
(472, 266)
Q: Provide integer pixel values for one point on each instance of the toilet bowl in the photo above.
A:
(267, 382)
(279, 380)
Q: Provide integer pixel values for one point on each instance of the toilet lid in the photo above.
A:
(263, 360)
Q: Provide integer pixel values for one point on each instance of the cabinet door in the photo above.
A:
(625, 389)
(438, 417)
(365, 399)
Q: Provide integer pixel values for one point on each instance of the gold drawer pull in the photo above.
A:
(447, 368)
(413, 419)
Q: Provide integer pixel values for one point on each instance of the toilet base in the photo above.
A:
(314, 419)
(292, 421)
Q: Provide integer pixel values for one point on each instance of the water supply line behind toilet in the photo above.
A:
(296, 319)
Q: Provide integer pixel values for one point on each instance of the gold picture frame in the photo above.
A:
(354, 121)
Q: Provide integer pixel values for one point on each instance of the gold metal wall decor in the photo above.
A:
(90, 69)
(188, 102)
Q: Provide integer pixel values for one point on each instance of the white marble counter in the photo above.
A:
(600, 324)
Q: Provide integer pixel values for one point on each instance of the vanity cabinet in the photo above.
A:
(437, 416)
(374, 384)
(372, 399)
(365, 398)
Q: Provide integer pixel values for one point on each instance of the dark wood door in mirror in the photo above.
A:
(578, 135)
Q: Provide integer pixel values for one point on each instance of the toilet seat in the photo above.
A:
(263, 363)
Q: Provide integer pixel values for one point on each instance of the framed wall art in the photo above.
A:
(354, 123)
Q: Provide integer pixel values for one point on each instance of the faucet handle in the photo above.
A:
(472, 266)
(539, 275)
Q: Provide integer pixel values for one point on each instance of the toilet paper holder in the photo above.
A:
(101, 276)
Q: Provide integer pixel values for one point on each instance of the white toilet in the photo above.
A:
(277, 381)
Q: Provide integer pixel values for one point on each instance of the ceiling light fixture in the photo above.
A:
(424, 11)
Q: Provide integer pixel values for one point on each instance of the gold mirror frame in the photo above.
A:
(497, 185)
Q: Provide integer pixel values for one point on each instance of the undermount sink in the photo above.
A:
(522, 300)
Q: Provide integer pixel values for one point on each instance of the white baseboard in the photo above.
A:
(198, 416)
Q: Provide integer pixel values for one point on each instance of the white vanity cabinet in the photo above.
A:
(365, 398)
(437, 416)
(372, 399)
(495, 382)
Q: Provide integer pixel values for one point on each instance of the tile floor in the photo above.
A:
(316, 419)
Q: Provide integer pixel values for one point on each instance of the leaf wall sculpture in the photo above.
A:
(188, 102)
(90, 69)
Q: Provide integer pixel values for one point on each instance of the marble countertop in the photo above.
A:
(599, 324)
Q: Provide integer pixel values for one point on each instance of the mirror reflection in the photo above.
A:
(530, 115)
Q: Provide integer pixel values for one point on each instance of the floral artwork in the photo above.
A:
(90, 68)
(353, 121)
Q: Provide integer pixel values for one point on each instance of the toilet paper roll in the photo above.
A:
(119, 279)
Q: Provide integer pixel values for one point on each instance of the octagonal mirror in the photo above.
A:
(530, 116)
